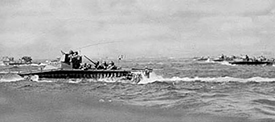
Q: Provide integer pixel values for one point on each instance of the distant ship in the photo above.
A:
(201, 58)
(251, 63)
(9, 61)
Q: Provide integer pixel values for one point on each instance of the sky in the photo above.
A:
(137, 28)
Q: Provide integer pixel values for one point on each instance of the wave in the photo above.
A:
(74, 80)
(220, 62)
(153, 78)
(226, 63)
(10, 77)
(8, 72)
(158, 78)
(209, 61)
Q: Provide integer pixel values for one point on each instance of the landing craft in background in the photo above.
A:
(240, 60)
(201, 58)
(261, 60)
(25, 60)
(6, 60)
(71, 66)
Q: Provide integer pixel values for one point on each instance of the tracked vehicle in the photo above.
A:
(66, 70)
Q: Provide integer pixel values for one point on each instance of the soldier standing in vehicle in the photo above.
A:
(111, 66)
(104, 64)
(147, 72)
(76, 60)
(101, 66)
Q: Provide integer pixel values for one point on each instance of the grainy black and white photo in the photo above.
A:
(137, 60)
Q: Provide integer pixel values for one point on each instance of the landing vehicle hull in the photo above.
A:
(250, 63)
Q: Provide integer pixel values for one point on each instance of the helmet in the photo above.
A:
(104, 62)
(112, 63)
(71, 52)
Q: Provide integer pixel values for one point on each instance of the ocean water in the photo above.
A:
(183, 85)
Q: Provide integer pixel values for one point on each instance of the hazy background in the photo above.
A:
(144, 28)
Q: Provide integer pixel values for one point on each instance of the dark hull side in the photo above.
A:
(18, 64)
(250, 63)
(218, 60)
(202, 59)
(95, 74)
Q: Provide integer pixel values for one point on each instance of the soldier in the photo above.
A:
(247, 58)
(89, 66)
(102, 65)
(111, 66)
(147, 72)
(96, 64)
(86, 66)
(83, 66)
(76, 60)
(71, 52)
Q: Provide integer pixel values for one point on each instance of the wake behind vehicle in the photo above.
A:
(70, 67)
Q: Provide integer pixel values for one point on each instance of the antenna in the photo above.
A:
(79, 48)
(95, 44)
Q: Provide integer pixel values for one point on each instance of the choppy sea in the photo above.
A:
(180, 84)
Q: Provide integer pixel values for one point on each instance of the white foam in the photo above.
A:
(75, 80)
(35, 64)
(210, 61)
(44, 81)
(220, 62)
(155, 77)
(113, 80)
(4, 72)
(12, 79)
(35, 78)
(226, 63)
